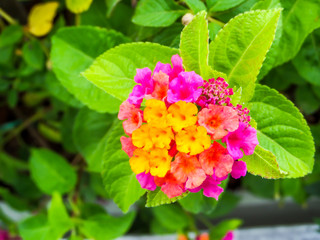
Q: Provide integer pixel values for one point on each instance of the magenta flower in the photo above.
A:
(163, 67)
(4, 235)
(239, 169)
(228, 236)
(185, 87)
(177, 67)
(245, 137)
(146, 181)
(210, 187)
(142, 77)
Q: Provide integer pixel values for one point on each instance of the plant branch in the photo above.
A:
(221, 24)
(7, 17)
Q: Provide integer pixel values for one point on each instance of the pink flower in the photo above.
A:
(170, 185)
(142, 77)
(132, 115)
(239, 169)
(210, 187)
(245, 137)
(228, 236)
(218, 120)
(127, 145)
(146, 181)
(216, 160)
(185, 87)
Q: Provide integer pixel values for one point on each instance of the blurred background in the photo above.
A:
(53, 122)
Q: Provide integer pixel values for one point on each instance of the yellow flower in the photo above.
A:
(140, 161)
(193, 140)
(182, 115)
(161, 137)
(155, 113)
(160, 162)
(41, 17)
(157, 162)
(141, 137)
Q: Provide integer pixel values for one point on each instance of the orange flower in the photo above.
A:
(187, 169)
(216, 160)
(218, 120)
(182, 115)
(193, 140)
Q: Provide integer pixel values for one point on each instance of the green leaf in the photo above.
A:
(196, 5)
(198, 203)
(222, 5)
(171, 216)
(170, 36)
(37, 227)
(294, 26)
(306, 99)
(194, 44)
(225, 205)
(104, 227)
(220, 230)
(83, 44)
(157, 13)
(33, 54)
(13, 200)
(114, 70)
(78, 6)
(307, 61)
(11, 35)
(55, 88)
(157, 198)
(119, 180)
(51, 172)
(58, 217)
(282, 77)
(214, 28)
(260, 186)
(240, 48)
(111, 4)
(89, 129)
(283, 131)
(263, 163)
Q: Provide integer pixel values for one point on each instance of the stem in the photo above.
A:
(221, 24)
(7, 17)
(23, 126)
(315, 48)
(77, 19)
(277, 195)
(205, 221)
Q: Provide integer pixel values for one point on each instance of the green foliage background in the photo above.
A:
(60, 156)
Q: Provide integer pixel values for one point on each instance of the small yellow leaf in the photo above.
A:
(78, 6)
(41, 17)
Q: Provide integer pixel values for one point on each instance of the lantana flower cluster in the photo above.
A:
(183, 133)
